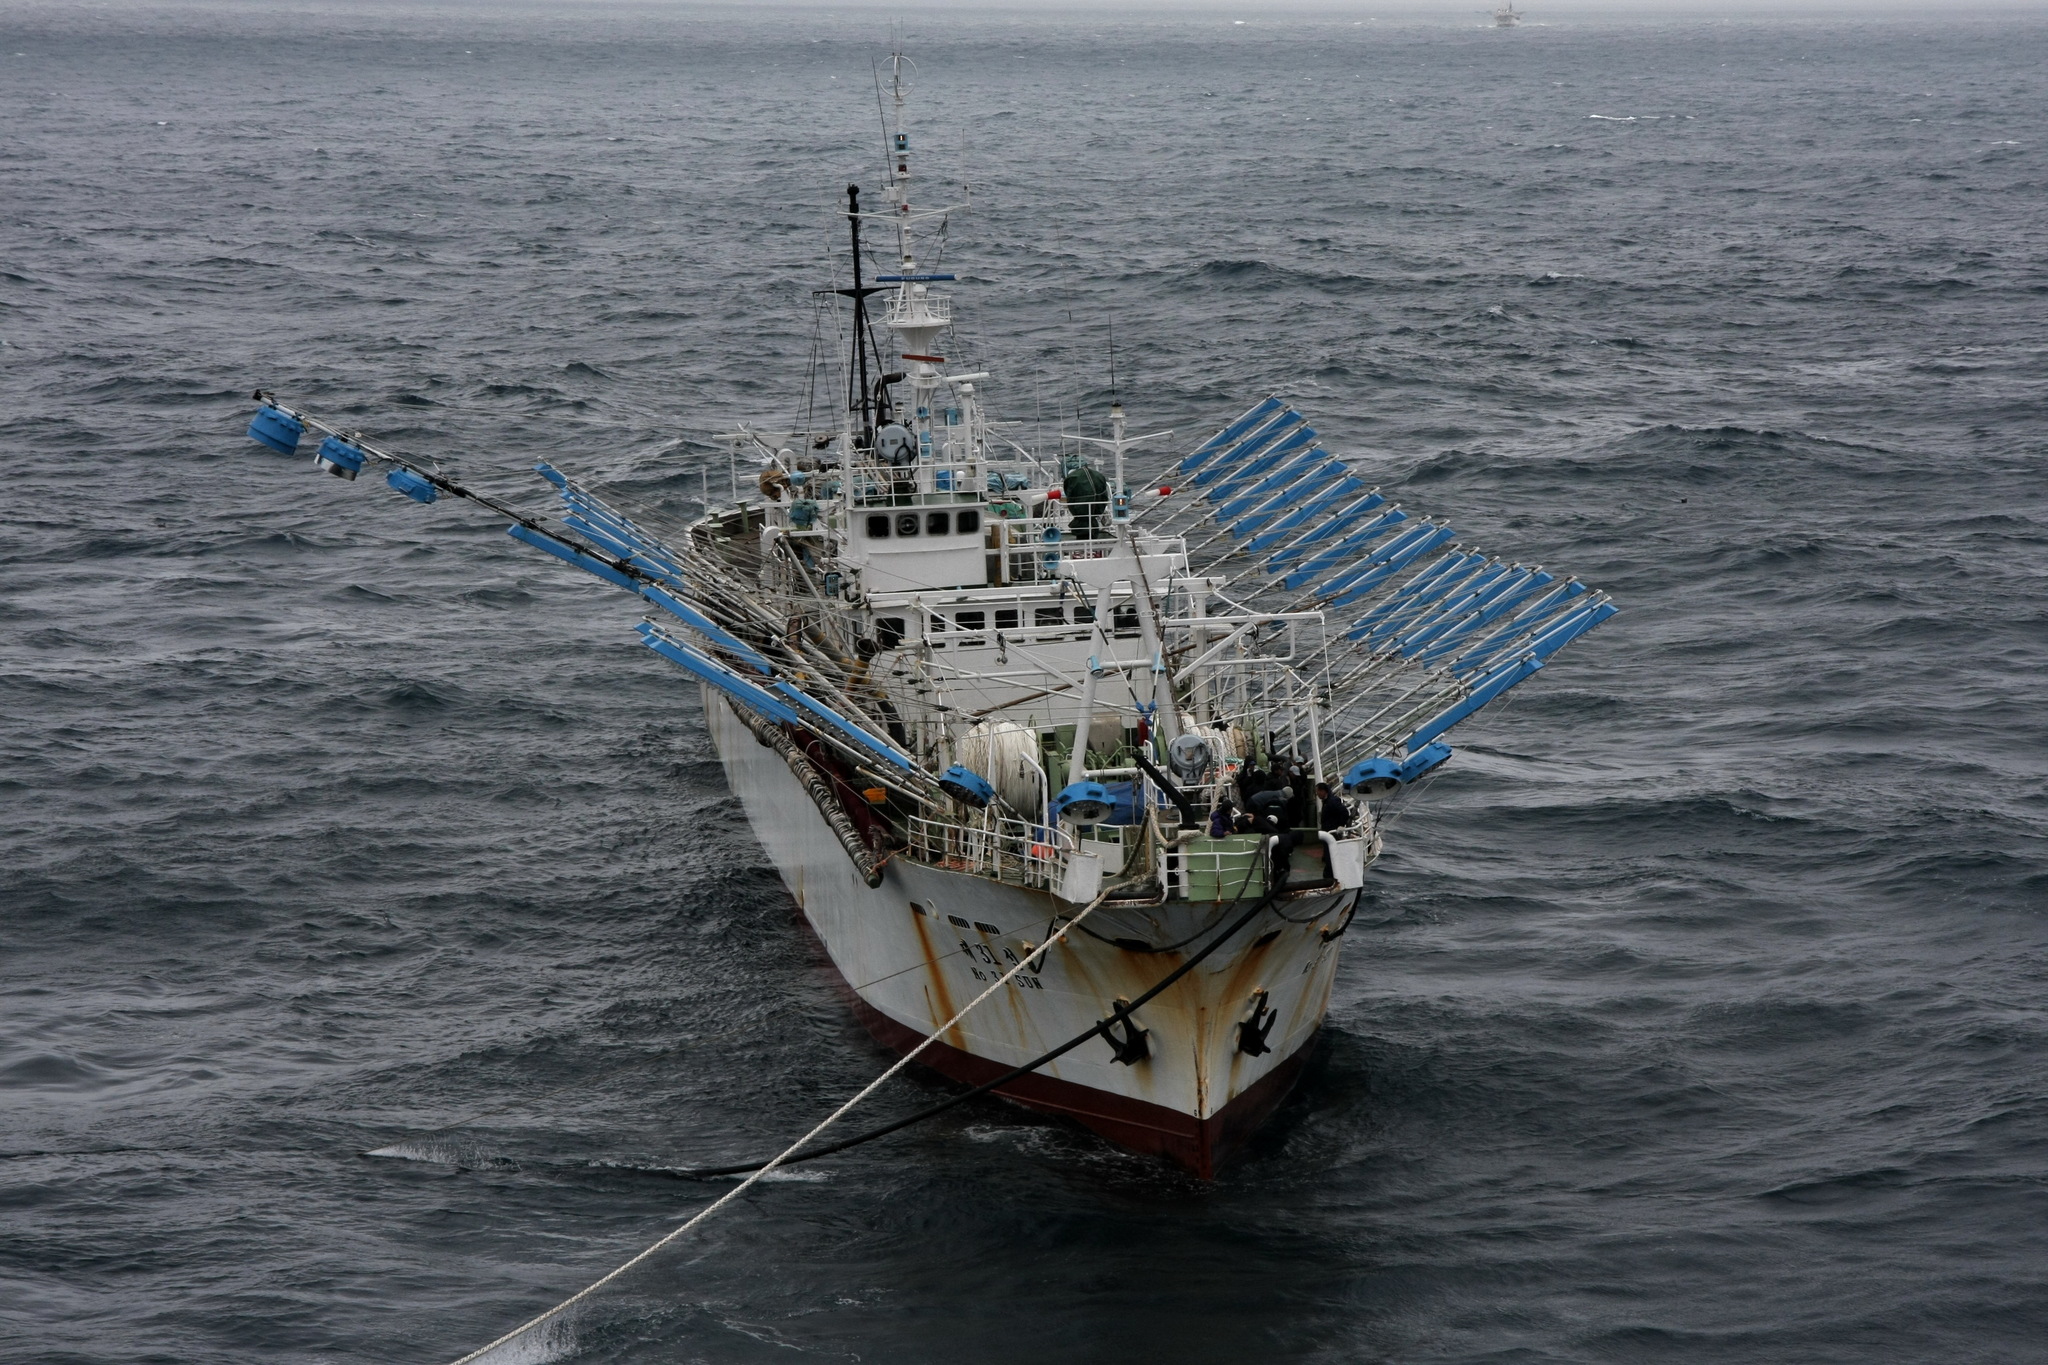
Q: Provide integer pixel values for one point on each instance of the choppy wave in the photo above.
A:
(1691, 1011)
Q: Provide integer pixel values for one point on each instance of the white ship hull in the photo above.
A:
(927, 940)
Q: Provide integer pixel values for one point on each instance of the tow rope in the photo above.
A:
(795, 1152)
(762, 1170)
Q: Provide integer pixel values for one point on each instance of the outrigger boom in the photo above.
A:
(1458, 632)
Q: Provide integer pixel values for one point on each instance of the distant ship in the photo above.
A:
(1506, 16)
(968, 691)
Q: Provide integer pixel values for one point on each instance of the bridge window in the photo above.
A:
(967, 521)
(935, 523)
(1006, 618)
(878, 526)
(1049, 616)
(889, 632)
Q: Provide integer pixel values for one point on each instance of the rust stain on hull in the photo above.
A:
(1195, 1020)
(940, 999)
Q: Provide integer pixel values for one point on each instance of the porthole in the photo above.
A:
(906, 523)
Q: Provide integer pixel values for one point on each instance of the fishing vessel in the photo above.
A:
(969, 691)
(1507, 16)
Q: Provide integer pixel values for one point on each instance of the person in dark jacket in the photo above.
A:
(1270, 810)
(1334, 813)
(1301, 812)
(1223, 819)
(1250, 782)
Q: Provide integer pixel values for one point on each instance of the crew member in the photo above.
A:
(1222, 819)
(1250, 782)
(1301, 812)
(1335, 814)
(1269, 818)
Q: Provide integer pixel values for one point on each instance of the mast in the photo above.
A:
(899, 157)
(862, 399)
(916, 315)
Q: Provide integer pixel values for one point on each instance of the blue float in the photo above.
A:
(1375, 777)
(569, 554)
(1127, 803)
(339, 458)
(1264, 409)
(1271, 495)
(967, 786)
(856, 733)
(1371, 777)
(708, 628)
(1424, 760)
(1483, 691)
(1315, 507)
(1084, 803)
(1285, 452)
(412, 485)
(718, 675)
(277, 429)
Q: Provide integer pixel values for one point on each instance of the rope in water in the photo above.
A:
(789, 1152)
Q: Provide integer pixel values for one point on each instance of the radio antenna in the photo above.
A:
(1112, 360)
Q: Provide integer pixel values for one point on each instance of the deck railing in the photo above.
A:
(934, 307)
(1008, 850)
(1230, 868)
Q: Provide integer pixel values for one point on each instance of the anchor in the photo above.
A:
(1132, 1047)
(1252, 1032)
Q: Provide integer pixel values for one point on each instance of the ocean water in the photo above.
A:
(1695, 1014)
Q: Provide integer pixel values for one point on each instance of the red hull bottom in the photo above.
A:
(1201, 1145)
